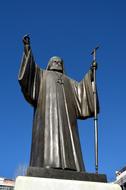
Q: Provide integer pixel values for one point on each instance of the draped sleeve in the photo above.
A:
(84, 100)
(29, 78)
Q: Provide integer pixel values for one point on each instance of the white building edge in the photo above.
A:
(121, 178)
(6, 184)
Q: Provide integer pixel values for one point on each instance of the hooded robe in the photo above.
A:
(58, 102)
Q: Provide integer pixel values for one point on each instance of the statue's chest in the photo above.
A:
(53, 78)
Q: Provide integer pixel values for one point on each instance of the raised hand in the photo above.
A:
(26, 40)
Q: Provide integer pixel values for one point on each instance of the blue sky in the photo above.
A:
(70, 29)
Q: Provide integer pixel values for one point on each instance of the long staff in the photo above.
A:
(94, 66)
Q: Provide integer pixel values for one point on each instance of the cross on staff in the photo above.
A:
(94, 66)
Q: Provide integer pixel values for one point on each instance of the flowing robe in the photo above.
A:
(58, 102)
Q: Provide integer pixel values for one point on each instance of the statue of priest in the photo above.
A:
(58, 102)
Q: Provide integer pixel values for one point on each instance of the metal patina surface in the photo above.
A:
(58, 102)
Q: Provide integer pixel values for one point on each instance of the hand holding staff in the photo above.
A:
(94, 67)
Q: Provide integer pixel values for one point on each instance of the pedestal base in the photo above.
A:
(34, 183)
(65, 174)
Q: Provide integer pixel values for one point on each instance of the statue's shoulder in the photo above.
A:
(71, 81)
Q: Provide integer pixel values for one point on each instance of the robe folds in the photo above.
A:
(58, 102)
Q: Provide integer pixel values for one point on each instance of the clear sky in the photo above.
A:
(70, 29)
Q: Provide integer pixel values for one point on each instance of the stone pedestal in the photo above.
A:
(35, 183)
(65, 174)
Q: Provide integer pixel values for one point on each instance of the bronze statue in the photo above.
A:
(58, 102)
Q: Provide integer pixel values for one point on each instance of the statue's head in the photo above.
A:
(55, 64)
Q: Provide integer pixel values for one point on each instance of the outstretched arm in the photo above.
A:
(86, 87)
(29, 74)
(26, 42)
(84, 100)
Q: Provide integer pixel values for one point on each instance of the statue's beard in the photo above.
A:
(56, 68)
